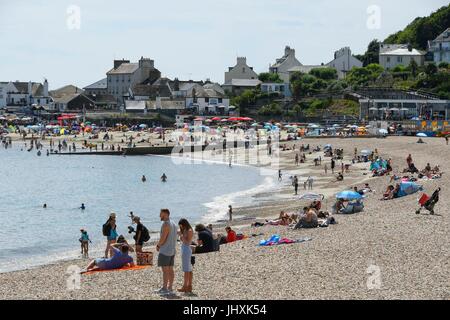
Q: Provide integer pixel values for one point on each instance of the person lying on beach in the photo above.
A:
(309, 220)
(119, 259)
(389, 193)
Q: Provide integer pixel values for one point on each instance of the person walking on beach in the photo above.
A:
(333, 165)
(186, 234)
(230, 213)
(279, 175)
(326, 168)
(310, 183)
(446, 140)
(296, 159)
(166, 248)
(295, 183)
(84, 240)
(109, 231)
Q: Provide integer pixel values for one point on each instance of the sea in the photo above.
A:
(32, 235)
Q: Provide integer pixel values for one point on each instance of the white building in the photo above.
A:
(283, 64)
(392, 55)
(24, 94)
(344, 61)
(207, 101)
(440, 47)
(240, 71)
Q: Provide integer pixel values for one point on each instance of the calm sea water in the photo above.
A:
(32, 235)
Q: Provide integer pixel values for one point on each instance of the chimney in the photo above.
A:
(117, 63)
(45, 88)
(241, 60)
(30, 88)
(288, 51)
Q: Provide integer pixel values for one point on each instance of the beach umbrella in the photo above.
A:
(373, 109)
(348, 195)
(415, 118)
(254, 124)
(224, 120)
(312, 196)
(383, 131)
(421, 134)
(366, 152)
(216, 119)
(394, 109)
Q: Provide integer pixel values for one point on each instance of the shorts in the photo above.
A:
(165, 261)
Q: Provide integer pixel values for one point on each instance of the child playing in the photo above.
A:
(84, 243)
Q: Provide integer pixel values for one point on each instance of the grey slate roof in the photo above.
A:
(100, 84)
(125, 68)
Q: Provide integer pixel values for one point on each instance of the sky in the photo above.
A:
(76, 41)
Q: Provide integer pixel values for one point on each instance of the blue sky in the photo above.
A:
(195, 39)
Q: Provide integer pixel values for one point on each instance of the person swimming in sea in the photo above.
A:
(44, 206)
(164, 177)
(143, 178)
(82, 206)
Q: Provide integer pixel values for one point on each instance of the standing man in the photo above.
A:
(295, 183)
(446, 140)
(230, 213)
(296, 159)
(326, 168)
(333, 164)
(279, 175)
(166, 248)
(142, 234)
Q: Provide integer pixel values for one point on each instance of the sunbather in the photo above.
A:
(309, 220)
(119, 259)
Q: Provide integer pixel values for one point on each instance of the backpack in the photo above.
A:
(145, 236)
(106, 229)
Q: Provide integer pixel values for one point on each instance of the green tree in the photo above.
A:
(414, 67)
(269, 77)
(431, 69)
(324, 73)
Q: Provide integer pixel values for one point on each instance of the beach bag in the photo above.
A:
(144, 258)
(106, 230)
(145, 234)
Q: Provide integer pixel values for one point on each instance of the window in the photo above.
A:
(281, 88)
(399, 59)
(243, 70)
(206, 99)
(220, 100)
(388, 59)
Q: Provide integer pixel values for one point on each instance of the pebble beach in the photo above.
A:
(408, 253)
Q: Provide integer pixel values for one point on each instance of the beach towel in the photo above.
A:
(124, 268)
(276, 240)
